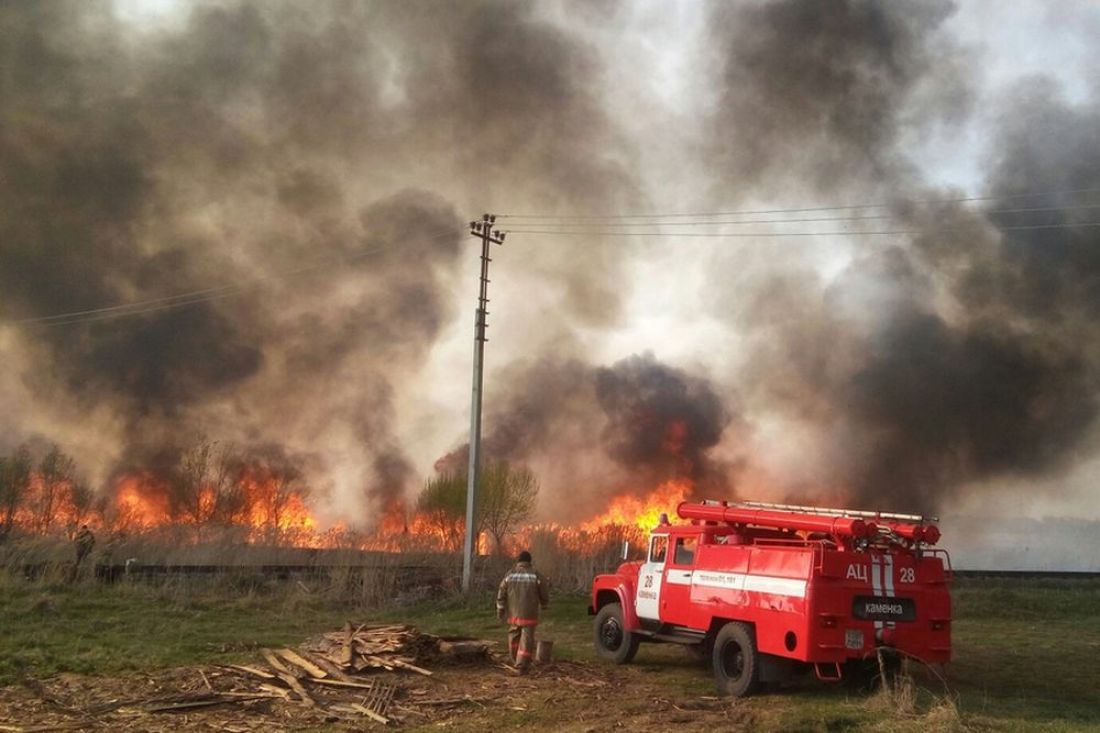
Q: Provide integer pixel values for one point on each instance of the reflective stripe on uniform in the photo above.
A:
(523, 621)
(523, 577)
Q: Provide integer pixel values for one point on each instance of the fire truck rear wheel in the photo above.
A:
(736, 660)
(612, 639)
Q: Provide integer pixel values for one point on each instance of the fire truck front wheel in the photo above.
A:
(736, 660)
(614, 642)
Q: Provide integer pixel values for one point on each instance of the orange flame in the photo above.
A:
(642, 512)
(264, 507)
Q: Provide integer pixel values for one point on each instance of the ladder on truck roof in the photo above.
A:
(825, 511)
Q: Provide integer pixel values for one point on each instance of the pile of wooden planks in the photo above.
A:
(338, 660)
(377, 646)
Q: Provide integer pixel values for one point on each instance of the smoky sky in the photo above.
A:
(313, 166)
(816, 94)
(306, 158)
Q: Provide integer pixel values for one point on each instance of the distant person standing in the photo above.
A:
(84, 542)
(522, 593)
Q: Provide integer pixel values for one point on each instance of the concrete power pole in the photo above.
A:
(484, 231)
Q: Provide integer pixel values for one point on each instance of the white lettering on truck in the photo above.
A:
(857, 572)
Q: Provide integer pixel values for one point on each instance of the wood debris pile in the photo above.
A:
(392, 647)
(371, 674)
(338, 663)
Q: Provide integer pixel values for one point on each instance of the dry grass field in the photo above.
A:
(1026, 655)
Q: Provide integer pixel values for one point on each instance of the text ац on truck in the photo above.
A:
(764, 589)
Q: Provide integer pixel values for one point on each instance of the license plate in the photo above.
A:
(853, 639)
(881, 608)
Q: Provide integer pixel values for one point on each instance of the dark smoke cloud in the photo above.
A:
(957, 355)
(241, 145)
(816, 94)
(660, 419)
(253, 139)
(607, 430)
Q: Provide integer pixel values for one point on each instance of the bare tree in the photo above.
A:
(273, 486)
(82, 498)
(185, 483)
(204, 484)
(15, 479)
(229, 499)
(442, 503)
(507, 496)
(54, 477)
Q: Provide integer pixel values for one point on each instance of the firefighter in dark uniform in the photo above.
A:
(84, 542)
(522, 593)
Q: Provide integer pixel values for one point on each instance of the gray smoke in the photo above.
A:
(607, 430)
(319, 162)
(815, 95)
(960, 353)
(289, 150)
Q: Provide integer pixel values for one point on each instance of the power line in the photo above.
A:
(866, 217)
(203, 295)
(720, 235)
(847, 207)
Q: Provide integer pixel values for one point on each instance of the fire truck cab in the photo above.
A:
(764, 588)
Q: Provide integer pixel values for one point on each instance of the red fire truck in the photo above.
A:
(765, 588)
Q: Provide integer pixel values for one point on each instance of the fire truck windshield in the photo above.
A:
(657, 548)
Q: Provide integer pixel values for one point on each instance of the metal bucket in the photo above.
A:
(543, 651)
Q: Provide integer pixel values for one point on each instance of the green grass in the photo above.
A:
(46, 629)
(1025, 651)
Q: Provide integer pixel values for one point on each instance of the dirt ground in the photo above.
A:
(576, 696)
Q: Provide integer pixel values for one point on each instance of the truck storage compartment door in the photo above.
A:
(647, 603)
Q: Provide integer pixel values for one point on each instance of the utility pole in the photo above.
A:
(484, 231)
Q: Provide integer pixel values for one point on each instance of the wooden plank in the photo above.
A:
(333, 670)
(347, 651)
(294, 658)
(453, 701)
(463, 648)
(285, 694)
(342, 683)
(273, 660)
(254, 671)
(370, 713)
(192, 704)
(411, 667)
(374, 661)
(293, 683)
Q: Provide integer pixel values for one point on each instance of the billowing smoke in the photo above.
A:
(660, 419)
(599, 431)
(308, 171)
(300, 170)
(814, 97)
(958, 351)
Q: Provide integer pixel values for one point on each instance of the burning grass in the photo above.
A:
(261, 505)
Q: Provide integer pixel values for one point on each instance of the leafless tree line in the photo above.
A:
(210, 484)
